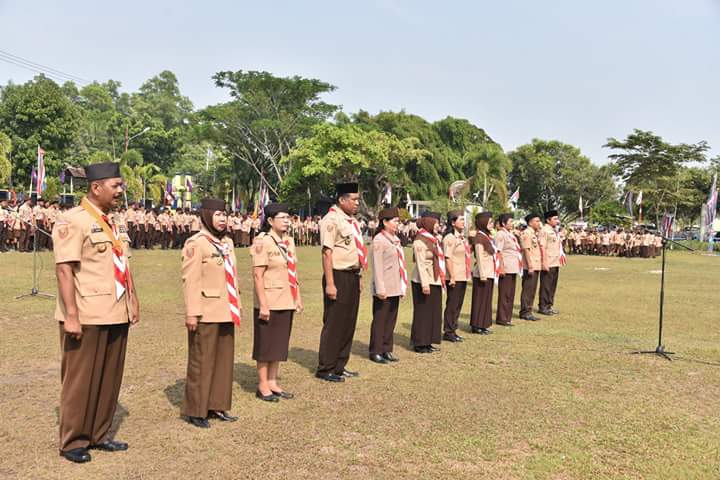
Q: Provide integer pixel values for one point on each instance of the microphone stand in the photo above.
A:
(34, 291)
(660, 349)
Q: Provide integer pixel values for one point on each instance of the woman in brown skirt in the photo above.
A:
(510, 256)
(277, 298)
(389, 284)
(458, 257)
(427, 280)
(212, 304)
(484, 275)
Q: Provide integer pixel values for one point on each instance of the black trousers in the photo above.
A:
(481, 306)
(527, 295)
(427, 316)
(506, 298)
(382, 330)
(339, 321)
(453, 305)
(548, 285)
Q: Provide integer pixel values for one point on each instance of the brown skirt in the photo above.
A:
(427, 316)
(481, 307)
(272, 337)
(245, 239)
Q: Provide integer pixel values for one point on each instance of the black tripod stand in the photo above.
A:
(660, 349)
(35, 291)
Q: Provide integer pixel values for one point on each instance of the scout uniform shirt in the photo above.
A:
(386, 266)
(551, 246)
(336, 233)
(80, 240)
(267, 253)
(507, 247)
(484, 262)
(454, 249)
(203, 275)
(424, 271)
(531, 250)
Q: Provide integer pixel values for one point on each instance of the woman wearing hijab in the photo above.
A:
(510, 259)
(427, 281)
(484, 275)
(212, 304)
(389, 284)
(277, 298)
(458, 255)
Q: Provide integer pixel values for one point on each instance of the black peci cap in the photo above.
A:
(530, 216)
(551, 213)
(101, 171)
(343, 188)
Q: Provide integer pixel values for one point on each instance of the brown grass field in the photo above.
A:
(562, 398)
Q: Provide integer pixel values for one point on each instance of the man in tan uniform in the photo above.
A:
(25, 213)
(343, 256)
(458, 260)
(552, 257)
(532, 263)
(96, 302)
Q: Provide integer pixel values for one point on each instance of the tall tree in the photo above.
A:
(5, 149)
(266, 117)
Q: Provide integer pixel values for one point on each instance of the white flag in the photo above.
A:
(580, 206)
(638, 201)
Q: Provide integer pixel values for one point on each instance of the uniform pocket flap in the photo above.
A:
(94, 291)
(99, 237)
(271, 284)
(211, 293)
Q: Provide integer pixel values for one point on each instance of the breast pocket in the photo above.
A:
(100, 242)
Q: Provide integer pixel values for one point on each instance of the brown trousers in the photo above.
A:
(453, 305)
(210, 369)
(339, 321)
(506, 298)
(527, 295)
(481, 305)
(548, 286)
(382, 330)
(91, 375)
(427, 316)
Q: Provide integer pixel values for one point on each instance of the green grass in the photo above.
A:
(562, 398)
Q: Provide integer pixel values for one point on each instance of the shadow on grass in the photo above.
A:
(246, 376)
(175, 392)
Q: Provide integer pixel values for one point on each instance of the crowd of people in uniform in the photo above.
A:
(613, 242)
(97, 300)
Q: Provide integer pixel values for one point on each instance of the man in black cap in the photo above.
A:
(553, 257)
(532, 265)
(344, 256)
(96, 303)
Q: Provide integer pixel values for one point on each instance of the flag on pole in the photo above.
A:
(169, 197)
(638, 201)
(514, 199)
(667, 223)
(629, 203)
(580, 207)
(711, 206)
(188, 183)
(41, 183)
(62, 176)
(387, 195)
(263, 201)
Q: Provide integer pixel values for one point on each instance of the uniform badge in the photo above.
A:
(101, 247)
(63, 231)
(347, 240)
(189, 252)
(258, 246)
(330, 227)
(219, 261)
(95, 228)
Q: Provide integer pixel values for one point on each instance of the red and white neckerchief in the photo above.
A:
(563, 258)
(495, 257)
(359, 241)
(516, 244)
(468, 256)
(401, 261)
(438, 253)
(230, 274)
(284, 247)
(120, 263)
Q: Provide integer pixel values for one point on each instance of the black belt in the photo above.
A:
(356, 271)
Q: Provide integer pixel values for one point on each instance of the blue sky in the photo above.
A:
(576, 71)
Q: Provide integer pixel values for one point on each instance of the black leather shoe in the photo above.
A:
(555, 312)
(530, 318)
(450, 337)
(266, 398)
(433, 348)
(476, 330)
(459, 338)
(111, 446)
(377, 358)
(284, 395)
(348, 374)
(421, 349)
(485, 331)
(198, 422)
(223, 416)
(77, 455)
(390, 357)
(329, 377)
(545, 312)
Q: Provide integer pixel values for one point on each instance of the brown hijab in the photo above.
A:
(481, 223)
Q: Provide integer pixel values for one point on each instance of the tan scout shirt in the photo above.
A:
(531, 250)
(507, 248)
(337, 235)
(386, 266)
(423, 273)
(551, 246)
(484, 263)
(267, 253)
(454, 249)
(203, 275)
(78, 239)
